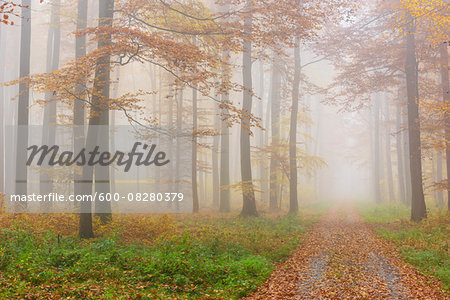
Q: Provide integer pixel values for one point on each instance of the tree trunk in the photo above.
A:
(100, 116)
(179, 141)
(195, 204)
(377, 159)
(399, 144)
(224, 178)
(275, 132)
(390, 179)
(3, 43)
(78, 105)
(262, 161)
(102, 176)
(49, 133)
(408, 189)
(112, 144)
(215, 158)
(446, 99)
(248, 193)
(293, 201)
(439, 161)
(24, 98)
(418, 208)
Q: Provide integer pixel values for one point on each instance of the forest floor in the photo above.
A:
(342, 258)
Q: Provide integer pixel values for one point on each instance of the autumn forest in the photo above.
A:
(224, 149)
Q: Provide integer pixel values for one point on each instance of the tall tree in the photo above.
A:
(249, 203)
(399, 145)
(376, 144)
(275, 102)
(293, 201)
(390, 179)
(100, 100)
(446, 100)
(99, 117)
(52, 64)
(406, 160)
(2, 114)
(418, 207)
(195, 202)
(224, 177)
(215, 157)
(78, 105)
(24, 99)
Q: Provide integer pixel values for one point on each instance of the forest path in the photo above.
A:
(341, 258)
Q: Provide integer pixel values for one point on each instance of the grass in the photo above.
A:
(424, 245)
(141, 256)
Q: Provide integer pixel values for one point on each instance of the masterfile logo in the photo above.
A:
(137, 170)
(95, 157)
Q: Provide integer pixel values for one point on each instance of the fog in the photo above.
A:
(347, 145)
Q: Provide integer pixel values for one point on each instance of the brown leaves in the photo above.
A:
(342, 259)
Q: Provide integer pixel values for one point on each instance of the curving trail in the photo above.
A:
(341, 258)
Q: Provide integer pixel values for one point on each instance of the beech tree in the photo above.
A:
(24, 99)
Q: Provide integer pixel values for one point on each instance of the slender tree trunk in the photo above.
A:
(112, 144)
(201, 189)
(224, 178)
(248, 193)
(100, 116)
(408, 189)
(399, 144)
(377, 159)
(293, 201)
(446, 99)
(260, 107)
(195, 203)
(439, 161)
(275, 131)
(3, 43)
(267, 126)
(24, 98)
(78, 105)
(418, 208)
(372, 151)
(102, 175)
(171, 98)
(316, 148)
(215, 158)
(390, 178)
(178, 141)
(49, 122)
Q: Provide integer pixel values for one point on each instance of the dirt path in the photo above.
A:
(341, 258)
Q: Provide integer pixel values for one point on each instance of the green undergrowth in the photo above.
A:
(424, 245)
(211, 257)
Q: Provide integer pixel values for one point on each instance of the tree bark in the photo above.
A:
(49, 122)
(408, 189)
(377, 159)
(224, 178)
(78, 105)
(275, 135)
(248, 193)
(262, 162)
(439, 162)
(399, 144)
(418, 207)
(215, 158)
(3, 42)
(446, 100)
(390, 179)
(100, 116)
(24, 98)
(195, 203)
(293, 201)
